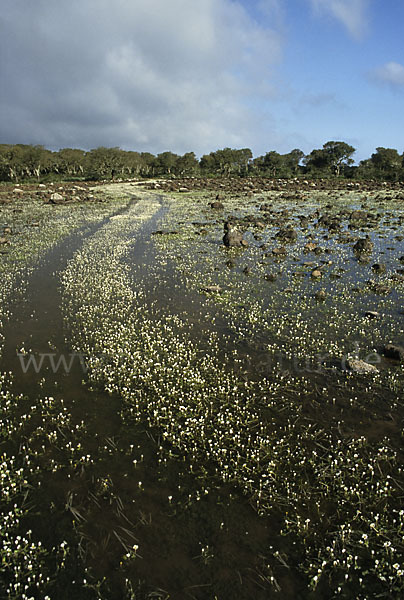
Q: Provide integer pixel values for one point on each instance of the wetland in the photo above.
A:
(202, 390)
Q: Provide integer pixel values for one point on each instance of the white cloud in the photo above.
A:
(143, 74)
(352, 14)
(391, 73)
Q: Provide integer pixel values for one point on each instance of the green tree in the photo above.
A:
(71, 161)
(105, 163)
(165, 162)
(387, 163)
(272, 163)
(292, 160)
(331, 159)
(187, 164)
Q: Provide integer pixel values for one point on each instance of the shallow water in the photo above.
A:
(197, 537)
(132, 505)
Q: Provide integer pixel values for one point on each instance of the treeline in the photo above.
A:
(21, 162)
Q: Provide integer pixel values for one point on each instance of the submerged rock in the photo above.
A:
(364, 245)
(394, 351)
(379, 268)
(372, 314)
(232, 236)
(287, 234)
(212, 289)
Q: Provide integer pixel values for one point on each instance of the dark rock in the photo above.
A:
(394, 351)
(372, 314)
(364, 245)
(379, 268)
(215, 289)
(232, 236)
(320, 296)
(217, 205)
(287, 234)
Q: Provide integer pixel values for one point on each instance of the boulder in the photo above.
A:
(232, 236)
(56, 197)
(360, 367)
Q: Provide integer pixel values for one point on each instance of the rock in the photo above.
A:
(56, 197)
(215, 289)
(232, 236)
(379, 268)
(3, 240)
(288, 234)
(7, 231)
(364, 245)
(216, 205)
(310, 246)
(18, 191)
(394, 351)
(320, 296)
(360, 367)
(316, 274)
(379, 288)
(358, 215)
(279, 251)
(372, 314)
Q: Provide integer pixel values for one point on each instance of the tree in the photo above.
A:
(330, 159)
(148, 161)
(387, 163)
(71, 161)
(340, 154)
(292, 160)
(104, 163)
(208, 163)
(165, 162)
(186, 164)
(272, 163)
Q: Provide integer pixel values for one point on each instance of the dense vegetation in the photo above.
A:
(21, 162)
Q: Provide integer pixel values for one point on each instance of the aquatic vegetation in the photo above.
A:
(295, 441)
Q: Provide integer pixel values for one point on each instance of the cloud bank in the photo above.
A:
(143, 74)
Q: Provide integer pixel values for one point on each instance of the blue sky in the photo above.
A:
(153, 75)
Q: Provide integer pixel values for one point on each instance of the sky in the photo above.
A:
(187, 75)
